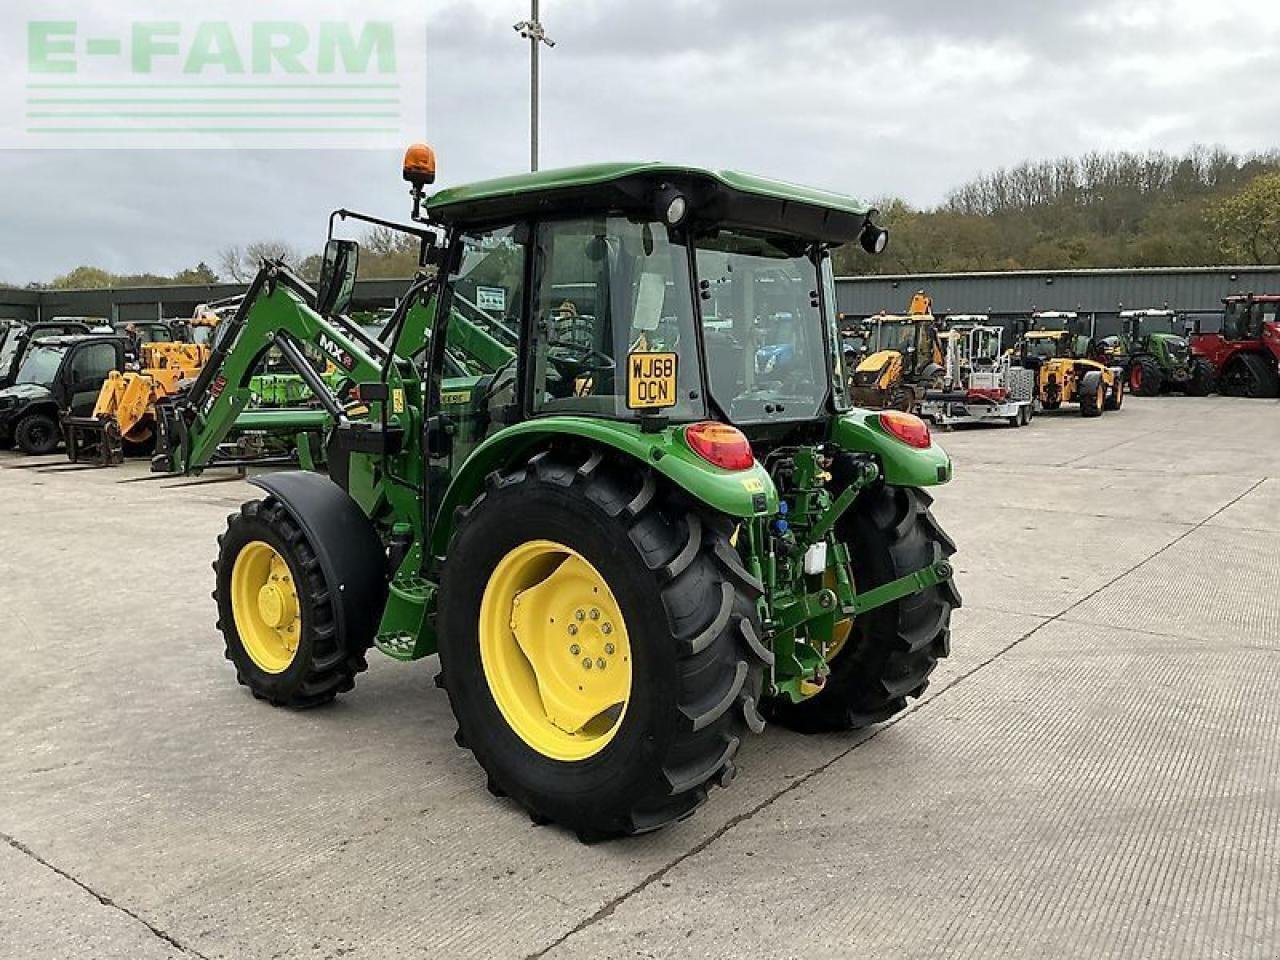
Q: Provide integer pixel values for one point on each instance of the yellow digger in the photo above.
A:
(904, 360)
(125, 413)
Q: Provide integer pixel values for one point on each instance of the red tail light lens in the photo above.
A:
(907, 427)
(720, 444)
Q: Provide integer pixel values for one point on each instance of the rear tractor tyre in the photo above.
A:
(276, 612)
(1092, 394)
(1202, 382)
(888, 653)
(598, 643)
(37, 434)
(1146, 379)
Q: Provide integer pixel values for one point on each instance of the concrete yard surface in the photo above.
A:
(1095, 772)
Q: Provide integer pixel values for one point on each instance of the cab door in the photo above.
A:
(83, 373)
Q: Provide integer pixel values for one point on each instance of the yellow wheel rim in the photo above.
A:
(842, 628)
(554, 648)
(264, 603)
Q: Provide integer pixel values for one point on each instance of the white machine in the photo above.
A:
(980, 383)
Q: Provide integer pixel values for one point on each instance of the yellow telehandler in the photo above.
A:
(125, 413)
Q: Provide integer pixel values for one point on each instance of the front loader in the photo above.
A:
(650, 521)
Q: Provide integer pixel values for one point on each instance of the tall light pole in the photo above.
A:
(532, 31)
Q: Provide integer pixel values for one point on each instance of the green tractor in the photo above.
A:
(601, 460)
(1155, 356)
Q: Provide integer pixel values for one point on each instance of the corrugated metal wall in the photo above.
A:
(1100, 292)
(155, 303)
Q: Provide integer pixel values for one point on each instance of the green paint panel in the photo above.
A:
(902, 465)
(737, 493)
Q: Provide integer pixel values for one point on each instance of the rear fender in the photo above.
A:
(737, 493)
(859, 431)
(350, 552)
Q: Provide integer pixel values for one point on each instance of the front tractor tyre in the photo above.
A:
(1092, 393)
(1146, 379)
(598, 643)
(276, 612)
(37, 434)
(885, 656)
(1115, 396)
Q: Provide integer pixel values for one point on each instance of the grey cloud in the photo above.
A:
(874, 99)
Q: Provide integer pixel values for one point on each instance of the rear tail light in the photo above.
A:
(907, 427)
(720, 444)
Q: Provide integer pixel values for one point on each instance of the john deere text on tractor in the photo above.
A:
(1055, 347)
(1245, 352)
(1154, 356)
(653, 522)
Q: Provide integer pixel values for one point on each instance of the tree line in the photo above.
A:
(384, 253)
(1105, 209)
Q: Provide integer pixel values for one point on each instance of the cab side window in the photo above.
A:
(93, 362)
(612, 293)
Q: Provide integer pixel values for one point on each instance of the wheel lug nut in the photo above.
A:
(586, 663)
(608, 648)
(579, 616)
(573, 629)
(600, 663)
(595, 614)
(575, 650)
(606, 628)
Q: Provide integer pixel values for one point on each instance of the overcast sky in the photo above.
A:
(907, 98)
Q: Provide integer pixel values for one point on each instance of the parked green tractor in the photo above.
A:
(1155, 356)
(601, 461)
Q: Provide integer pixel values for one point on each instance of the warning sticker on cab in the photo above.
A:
(651, 380)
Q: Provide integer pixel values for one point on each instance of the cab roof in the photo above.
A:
(716, 197)
(67, 339)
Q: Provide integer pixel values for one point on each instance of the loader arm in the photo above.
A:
(277, 312)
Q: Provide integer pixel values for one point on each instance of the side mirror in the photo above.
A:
(337, 277)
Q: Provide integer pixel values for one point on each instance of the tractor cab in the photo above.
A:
(1245, 317)
(1055, 334)
(655, 294)
(1155, 332)
(1142, 331)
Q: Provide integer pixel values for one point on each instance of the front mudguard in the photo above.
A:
(347, 545)
(859, 431)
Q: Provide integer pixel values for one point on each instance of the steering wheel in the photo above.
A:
(570, 368)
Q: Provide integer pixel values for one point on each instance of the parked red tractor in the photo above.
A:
(1246, 352)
